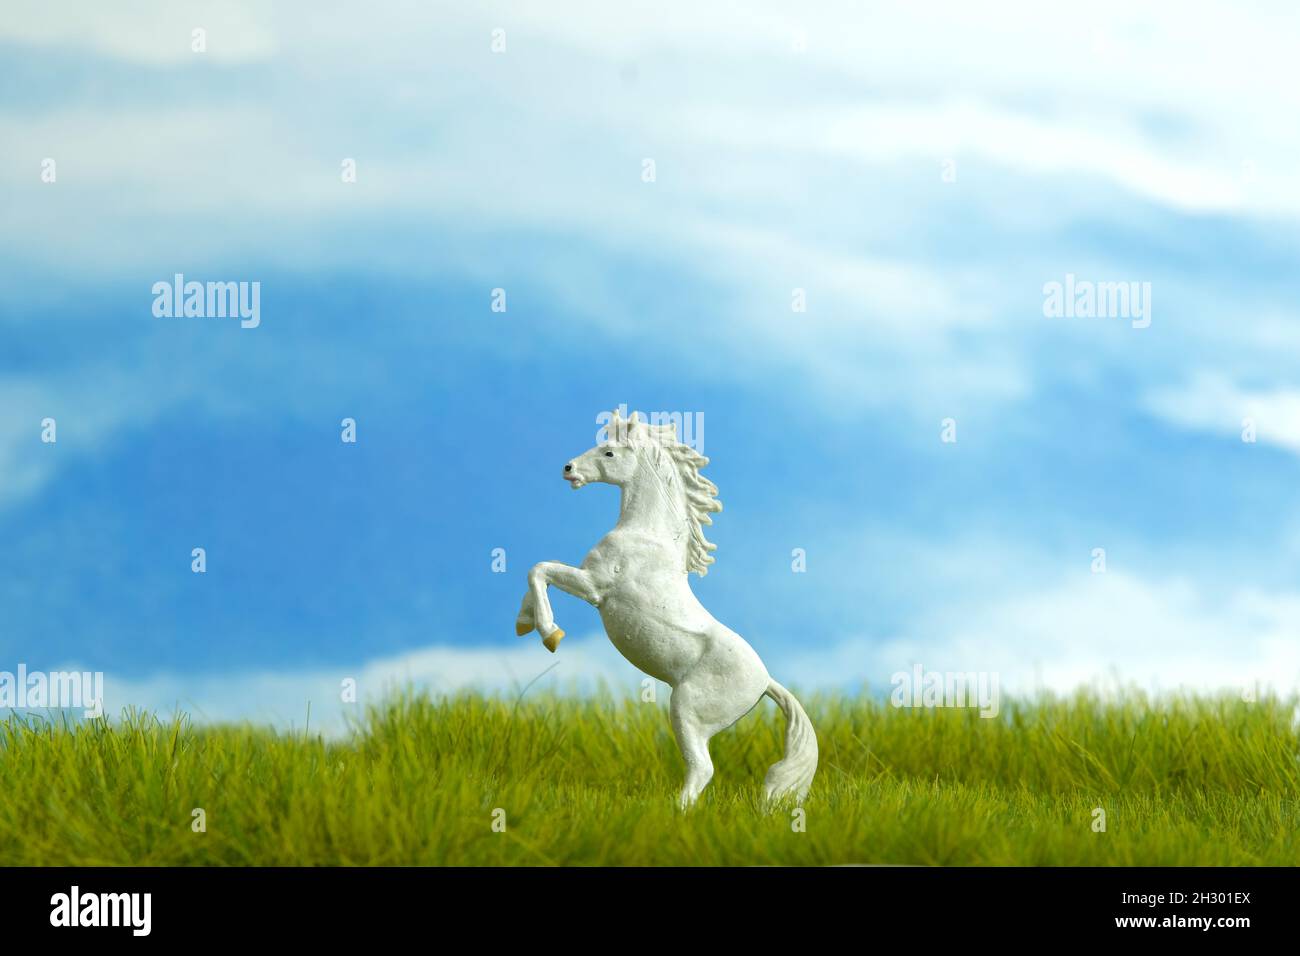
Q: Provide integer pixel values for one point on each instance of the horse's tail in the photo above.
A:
(793, 773)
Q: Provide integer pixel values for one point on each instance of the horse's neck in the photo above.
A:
(650, 505)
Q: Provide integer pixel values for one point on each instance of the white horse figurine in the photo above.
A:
(636, 576)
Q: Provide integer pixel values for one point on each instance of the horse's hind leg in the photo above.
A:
(699, 709)
(693, 741)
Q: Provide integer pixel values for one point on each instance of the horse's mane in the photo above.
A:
(698, 493)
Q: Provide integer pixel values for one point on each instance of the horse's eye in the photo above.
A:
(609, 454)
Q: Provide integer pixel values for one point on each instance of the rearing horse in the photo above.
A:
(636, 576)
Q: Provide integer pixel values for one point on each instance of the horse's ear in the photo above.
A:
(619, 427)
(632, 419)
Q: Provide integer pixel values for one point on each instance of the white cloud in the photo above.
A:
(545, 137)
(1096, 630)
(144, 31)
(1212, 403)
(1092, 629)
(86, 410)
(22, 465)
(963, 129)
(281, 698)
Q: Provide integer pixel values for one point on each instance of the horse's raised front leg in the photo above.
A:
(535, 611)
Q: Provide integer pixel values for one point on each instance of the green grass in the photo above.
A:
(1182, 780)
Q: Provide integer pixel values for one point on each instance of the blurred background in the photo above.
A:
(658, 189)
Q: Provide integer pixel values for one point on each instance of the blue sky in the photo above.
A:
(920, 173)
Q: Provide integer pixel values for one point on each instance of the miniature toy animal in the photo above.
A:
(637, 578)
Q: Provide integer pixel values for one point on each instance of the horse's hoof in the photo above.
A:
(553, 641)
(521, 630)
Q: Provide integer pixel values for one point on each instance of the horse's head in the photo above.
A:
(614, 461)
(632, 448)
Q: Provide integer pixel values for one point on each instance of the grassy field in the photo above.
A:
(592, 781)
